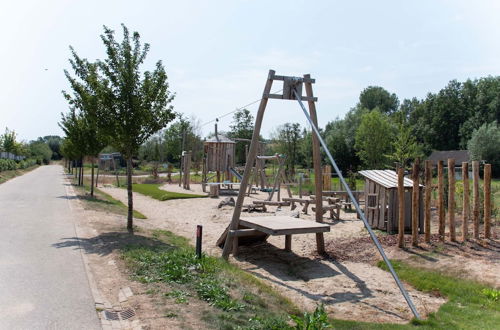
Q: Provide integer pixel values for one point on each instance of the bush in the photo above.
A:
(485, 145)
(7, 165)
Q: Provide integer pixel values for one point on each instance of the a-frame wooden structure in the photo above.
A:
(274, 225)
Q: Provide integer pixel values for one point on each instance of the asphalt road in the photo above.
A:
(43, 284)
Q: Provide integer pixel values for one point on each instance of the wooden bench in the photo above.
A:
(301, 201)
(334, 210)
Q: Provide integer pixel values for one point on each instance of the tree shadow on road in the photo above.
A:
(106, 243)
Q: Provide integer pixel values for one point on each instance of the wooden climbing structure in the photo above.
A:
(261, 227)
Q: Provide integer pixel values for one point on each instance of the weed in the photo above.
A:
(491, 294)
(316, 320)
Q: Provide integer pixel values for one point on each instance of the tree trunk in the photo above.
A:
(130, 218)
(92, 177)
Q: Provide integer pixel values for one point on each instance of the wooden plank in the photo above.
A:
(283, 225)
(465, 201)
(475, 193)
(401, 208)
(244, 232)
(451, 199)
(487, 201)
(303, 98)
(383, 203)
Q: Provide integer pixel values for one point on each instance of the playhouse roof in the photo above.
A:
(386, 178)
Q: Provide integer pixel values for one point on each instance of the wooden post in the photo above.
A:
(415, 203)
(451, 198)
(441, 211)
(475, 193)
(427, 201)
(288, 243)
(300, 184)
(487, 200)
(401, 208)
(248, 166)
(466, 201)
(320, 240)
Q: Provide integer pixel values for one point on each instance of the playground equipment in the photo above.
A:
(262, 227)
(186, 169)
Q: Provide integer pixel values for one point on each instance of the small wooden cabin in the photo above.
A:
(381, 201)
(219, 153)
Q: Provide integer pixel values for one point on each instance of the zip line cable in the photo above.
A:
(237, 109)
(358, 209)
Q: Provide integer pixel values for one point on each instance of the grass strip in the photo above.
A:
(153, 190)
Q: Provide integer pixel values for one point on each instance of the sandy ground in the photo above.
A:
(350, 289)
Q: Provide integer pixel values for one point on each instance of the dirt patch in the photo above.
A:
(350, 289)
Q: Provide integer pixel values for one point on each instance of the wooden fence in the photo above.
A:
(446, 213)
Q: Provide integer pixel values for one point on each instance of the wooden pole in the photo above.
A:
(427, 201)
(487, 200)
(466, 201)
(415, 203)
(441, 211)
(320, 240)
(235, 220)
(451, 199)
(475, 193)
(401, 208)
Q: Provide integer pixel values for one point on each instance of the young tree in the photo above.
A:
(85, 98)
(373, 139)
(242, 127)
(405, 147)
(134, 106)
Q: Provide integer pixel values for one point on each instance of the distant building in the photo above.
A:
(460, 156)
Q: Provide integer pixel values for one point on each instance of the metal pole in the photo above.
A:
(360, 212)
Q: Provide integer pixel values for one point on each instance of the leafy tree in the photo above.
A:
(9, 143)
(85, 98)
(287, 139)
(377, 97)
(373, 139)
(54, 143)
(41, 152)
(183, 132)
(134, 106)
(405, 147)
(485, 145)
(242, 128)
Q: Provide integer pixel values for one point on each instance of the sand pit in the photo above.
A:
(349, 290)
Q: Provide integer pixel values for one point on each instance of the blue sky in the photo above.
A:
(217, 53)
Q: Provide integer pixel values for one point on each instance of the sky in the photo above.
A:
(217, 54)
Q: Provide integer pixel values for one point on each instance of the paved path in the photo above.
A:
(41, 286)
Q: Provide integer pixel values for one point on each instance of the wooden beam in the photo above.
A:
(244, 232)
(475, 193)
(441, 211)
(320, 240)
(288, 243)
(248, 166)
(487, 200)
(427, 201)
(300, 79)
(451, 198)
(303, 98)
(466, 201)
(415, 203)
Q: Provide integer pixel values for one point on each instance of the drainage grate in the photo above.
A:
(117, 316)
(127, 314)
(111, 316)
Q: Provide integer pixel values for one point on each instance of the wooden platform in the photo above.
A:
(283, 225)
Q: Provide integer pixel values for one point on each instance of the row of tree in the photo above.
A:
(112, 102)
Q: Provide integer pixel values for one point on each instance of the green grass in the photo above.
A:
(153, 190)
(105, 202)
(235, 299)
(470, 305)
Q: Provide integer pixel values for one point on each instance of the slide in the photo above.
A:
(235, 173)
